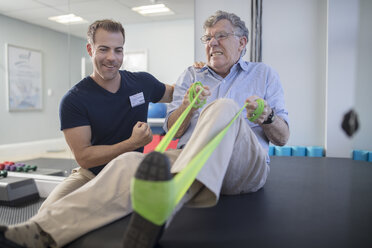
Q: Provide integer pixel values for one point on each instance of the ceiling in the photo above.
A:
(38, 11)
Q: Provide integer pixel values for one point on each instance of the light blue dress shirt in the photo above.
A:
(244, 80)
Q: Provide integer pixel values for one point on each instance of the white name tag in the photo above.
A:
(137, 99)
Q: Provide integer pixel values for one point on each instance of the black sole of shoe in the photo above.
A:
(142, 233)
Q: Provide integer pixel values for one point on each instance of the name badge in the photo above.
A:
(137, 99)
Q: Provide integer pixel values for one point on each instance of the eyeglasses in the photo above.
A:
(218, 36)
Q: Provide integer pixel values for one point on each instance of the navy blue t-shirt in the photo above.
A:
(110, 115)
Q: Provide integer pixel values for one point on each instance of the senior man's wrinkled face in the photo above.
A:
(223, 47)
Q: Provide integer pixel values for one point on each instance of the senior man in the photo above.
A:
(239, 164)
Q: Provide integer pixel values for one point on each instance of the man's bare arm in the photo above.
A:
(88, 156)
(168, 94)
(277, 131)
(185, 103)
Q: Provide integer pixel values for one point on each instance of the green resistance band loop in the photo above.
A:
(258, 111)
(155, 200)
(192, 94)
(163, 144)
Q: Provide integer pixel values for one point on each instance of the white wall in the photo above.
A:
(363, 100)
(294, 44)
(170, 50)
(169, 46)
(343, 20)
(60, 67)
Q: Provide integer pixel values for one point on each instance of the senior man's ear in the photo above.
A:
(198, 64)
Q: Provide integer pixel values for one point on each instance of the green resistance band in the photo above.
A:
(192, 94)
(163, 144)
(258, 111)
(155, 200)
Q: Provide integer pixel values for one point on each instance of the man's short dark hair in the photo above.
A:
(106, 24)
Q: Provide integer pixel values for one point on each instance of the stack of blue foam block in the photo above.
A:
(271, 150)
(298, 151)
(362, 155)
(283, 151)
(315, 151)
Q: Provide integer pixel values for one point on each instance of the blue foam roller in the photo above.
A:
(315, 151)
(369, 156)
(271, 150)
(283, 151)
(299, 151)
(157, 110)
(360, 155)
(157, 130)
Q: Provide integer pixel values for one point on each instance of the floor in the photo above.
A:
(10, 215)
(63, 153)
(47, 163)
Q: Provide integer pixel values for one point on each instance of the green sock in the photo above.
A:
(29, 234)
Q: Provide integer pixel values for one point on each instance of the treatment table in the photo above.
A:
(306, 202)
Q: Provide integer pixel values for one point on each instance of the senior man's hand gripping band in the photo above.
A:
(155, 200)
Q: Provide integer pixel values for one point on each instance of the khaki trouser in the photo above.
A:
(238, 165)
(78, 178)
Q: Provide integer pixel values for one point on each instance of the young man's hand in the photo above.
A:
(141, 134)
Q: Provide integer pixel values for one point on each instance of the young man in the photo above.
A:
(102, 116)
(105, 114)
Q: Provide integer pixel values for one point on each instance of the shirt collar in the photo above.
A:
(243, 65)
